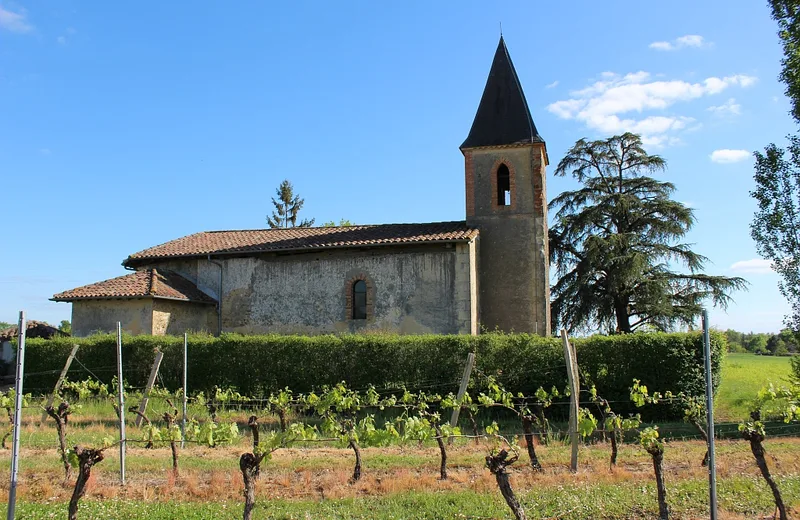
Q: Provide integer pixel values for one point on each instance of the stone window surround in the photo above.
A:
(348, 292)
(512, 181)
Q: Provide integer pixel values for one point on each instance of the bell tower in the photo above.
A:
(505, 160)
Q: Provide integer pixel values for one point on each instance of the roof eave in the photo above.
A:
(517, 144)
(137, 297)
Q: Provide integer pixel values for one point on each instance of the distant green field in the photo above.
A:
(743, 375)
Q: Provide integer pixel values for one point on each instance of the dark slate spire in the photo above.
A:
(503, 116)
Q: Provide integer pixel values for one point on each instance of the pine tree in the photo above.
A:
(287, 206)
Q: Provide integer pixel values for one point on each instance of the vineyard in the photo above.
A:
(339, 452)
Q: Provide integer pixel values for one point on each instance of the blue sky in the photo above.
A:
(127, 125)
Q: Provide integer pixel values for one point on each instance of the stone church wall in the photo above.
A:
(90, 316)
(412, 290)
(176, 317)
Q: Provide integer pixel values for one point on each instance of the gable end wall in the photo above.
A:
(90, 316)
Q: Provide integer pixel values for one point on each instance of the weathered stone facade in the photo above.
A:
(177, 317)
(141, 316)
(92, 316)
(412, 290)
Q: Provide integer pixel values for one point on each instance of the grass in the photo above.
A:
(400, 482)
(743, 375)
(570, 502)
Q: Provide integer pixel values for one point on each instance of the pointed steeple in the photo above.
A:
(503, 116)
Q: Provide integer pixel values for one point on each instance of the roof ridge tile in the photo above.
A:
(151, 281)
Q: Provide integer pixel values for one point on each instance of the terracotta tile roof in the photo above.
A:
(298, 239)
(148, 283)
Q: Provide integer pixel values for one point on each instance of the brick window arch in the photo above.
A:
(359, 298)
(504, 184)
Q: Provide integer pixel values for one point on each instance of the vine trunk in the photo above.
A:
(357, 469)
(87, 457)
(252, 423)
(442, 450)
(704, 435)
(657, 453)
(756, 446)
(60, 417)
(614, 446)
(248, 464)
(497, 466)
(527, 428)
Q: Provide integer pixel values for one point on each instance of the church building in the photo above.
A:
(487, 272)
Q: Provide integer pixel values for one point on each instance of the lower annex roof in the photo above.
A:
(147, 283)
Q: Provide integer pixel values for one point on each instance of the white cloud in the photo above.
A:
(727, 156)
(661, 141)
(552, 85)
(14, 22)
(602, 105)
(689, 40)
(45, 151)
(661, 46)
(62, 40)
(565, 109)
(730, 107)
(754, 266)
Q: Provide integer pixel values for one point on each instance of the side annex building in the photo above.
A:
(487, 272)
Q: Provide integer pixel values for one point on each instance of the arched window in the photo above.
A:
(503, 186)
(360, 300)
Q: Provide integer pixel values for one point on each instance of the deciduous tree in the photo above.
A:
(343, 222)
(787, 14)
(65, 326)
(776, 225)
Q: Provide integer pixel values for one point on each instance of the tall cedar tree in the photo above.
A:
(614, 244)
(776, 224)
(287, 206)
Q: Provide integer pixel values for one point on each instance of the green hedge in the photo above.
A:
(257, 365)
